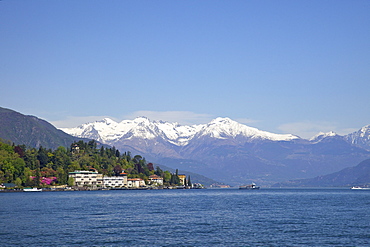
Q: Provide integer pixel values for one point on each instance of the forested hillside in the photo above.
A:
(44, 167)
(32, 131)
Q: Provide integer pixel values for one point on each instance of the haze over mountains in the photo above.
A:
(358, 175)
(229, 151)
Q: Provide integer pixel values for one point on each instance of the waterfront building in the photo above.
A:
(135, 183)
(115, 181)
(182, 178)
(155, 179)
(84, 178)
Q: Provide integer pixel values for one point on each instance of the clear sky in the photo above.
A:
(296, 67)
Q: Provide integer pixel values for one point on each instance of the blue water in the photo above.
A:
(211, 217)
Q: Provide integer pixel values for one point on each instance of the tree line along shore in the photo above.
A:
(52, 170)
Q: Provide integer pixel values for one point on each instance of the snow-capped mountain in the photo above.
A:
(224, 128)
(360, 138)
(320, 136)
(109, 131)
(228, 151)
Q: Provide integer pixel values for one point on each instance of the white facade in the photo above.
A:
(135, 183)
(114, 182)
(84, 178)
(154, 179)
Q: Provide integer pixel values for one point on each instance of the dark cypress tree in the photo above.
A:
(118, 153)
(189, 182)
(128, 157)
(42, 156)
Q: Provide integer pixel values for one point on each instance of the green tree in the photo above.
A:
(18, 182)
(71, 181)
(62, 176)
(166, 177)
(26, 178)
(42, 156)
(37, 175)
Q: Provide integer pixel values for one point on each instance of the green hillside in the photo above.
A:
(31, 131)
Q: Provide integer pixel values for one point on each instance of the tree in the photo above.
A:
(137, 158)
(158, 171)
(20, 150)
(61, 176)
(92, 145)
(128, 156)
(189, 182)
(42, 156)
(18, 182)
(175, 178)
(71, 181)
(26, 178)
(117, 170)
(38, 175)
(118, 153)
(150, 166)
(166, 177)
(139, 168)
(9, 171)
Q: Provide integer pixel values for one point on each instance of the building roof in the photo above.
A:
(9, 185)
(83, 172)
(135, 179)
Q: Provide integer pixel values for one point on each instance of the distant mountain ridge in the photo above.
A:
(32, 131)
(358, 175)
(228, 151)
(108, 131)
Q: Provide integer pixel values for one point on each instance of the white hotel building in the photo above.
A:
(115, 182)
(94, 179)
(86, 178)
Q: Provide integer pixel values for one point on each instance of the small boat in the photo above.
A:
(252, 186)
(32, 190)
(359, 188)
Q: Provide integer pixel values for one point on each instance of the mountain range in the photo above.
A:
(230, 152)
(223, 150)
(352, 176)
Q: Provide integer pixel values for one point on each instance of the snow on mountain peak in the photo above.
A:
(322, 135)
(141, 120)
(108, 131)
(108, 121)
(365, 131)
(223, 128)
(360, 138)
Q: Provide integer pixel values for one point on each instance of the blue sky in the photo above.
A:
(295, 67)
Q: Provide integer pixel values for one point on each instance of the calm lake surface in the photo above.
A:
(210, 217)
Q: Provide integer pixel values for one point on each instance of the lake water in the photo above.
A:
(210, 217)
